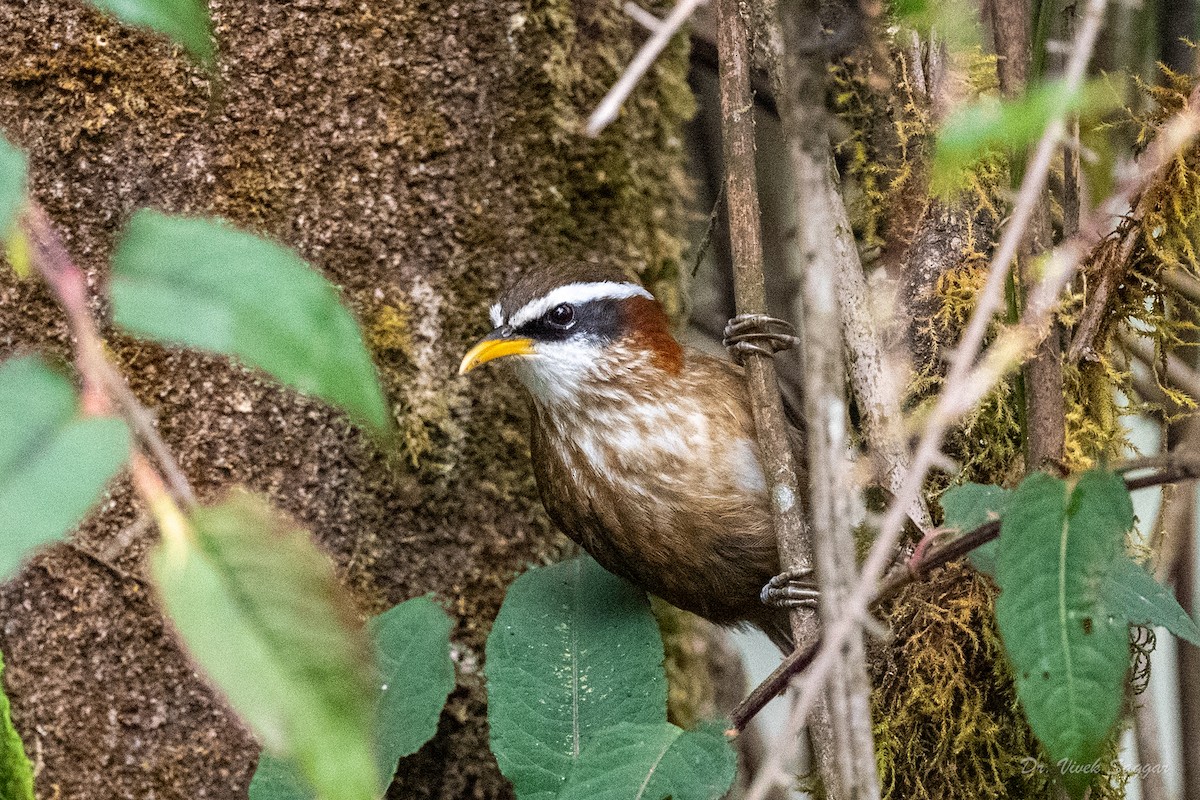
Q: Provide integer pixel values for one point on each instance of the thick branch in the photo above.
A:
(801, 102)
(741, 192)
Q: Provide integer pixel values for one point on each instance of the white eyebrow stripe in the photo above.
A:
(576, 294)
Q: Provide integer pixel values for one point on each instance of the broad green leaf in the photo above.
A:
(991, 124)
(13, 172)
(204, 284)
(971, 505)
(1140, 599)
(185, 21)
(261, 613)
(652, 762)
(16, 773)
(54, 464)
(412, 641)
(1068, 646)
(574, 650)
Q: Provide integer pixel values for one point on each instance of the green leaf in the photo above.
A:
(1068, 646)
(990, 124)
(185, 21)
(54, 464)
(16, 773)
(1141, 600)
(277, 779)
(653, 761)
(574, 650)
(973, 505)
(261, 613)
(412, 640)
(970, 506)
(14, 167)
(201, 283)
(954, 22)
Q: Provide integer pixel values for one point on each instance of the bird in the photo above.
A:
(643, 449)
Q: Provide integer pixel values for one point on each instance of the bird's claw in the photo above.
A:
(791, 589)
(758, 333)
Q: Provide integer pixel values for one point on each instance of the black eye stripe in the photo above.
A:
(598, 320)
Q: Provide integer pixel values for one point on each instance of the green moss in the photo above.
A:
(611, 187)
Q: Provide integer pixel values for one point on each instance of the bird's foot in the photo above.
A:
(758, 333)
(791, 589)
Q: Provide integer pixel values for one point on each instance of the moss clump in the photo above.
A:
(946, 708)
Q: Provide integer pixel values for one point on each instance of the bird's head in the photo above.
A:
(578, 334)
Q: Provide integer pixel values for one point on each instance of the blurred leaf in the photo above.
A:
(16, 773)
(990, 124)
(1068, 647)
(955, 22)
(14, 167)
(652, 762)
(412, 640)
(277, 779)
(204, 284)
(1141, 600)
(185, 21)
(54, 464)
(573, 651)
(261, 613)
(16, 250)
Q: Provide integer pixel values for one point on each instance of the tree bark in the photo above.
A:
(420, 155)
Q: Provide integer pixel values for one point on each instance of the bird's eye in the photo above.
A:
(561, 316)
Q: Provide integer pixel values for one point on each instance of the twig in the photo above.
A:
(877, 397)
(103, 386)
(706, 239)
(642, 17)
(745, 239)
(1178, 373)
(610, 106)
(1179, 469)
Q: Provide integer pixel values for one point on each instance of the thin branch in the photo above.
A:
(103, 385)
(610, 106)
(642, 17)
(1180, 468)
(877, 397)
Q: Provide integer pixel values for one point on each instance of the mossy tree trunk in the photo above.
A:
(420, 155)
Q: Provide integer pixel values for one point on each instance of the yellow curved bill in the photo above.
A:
(489, 349)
